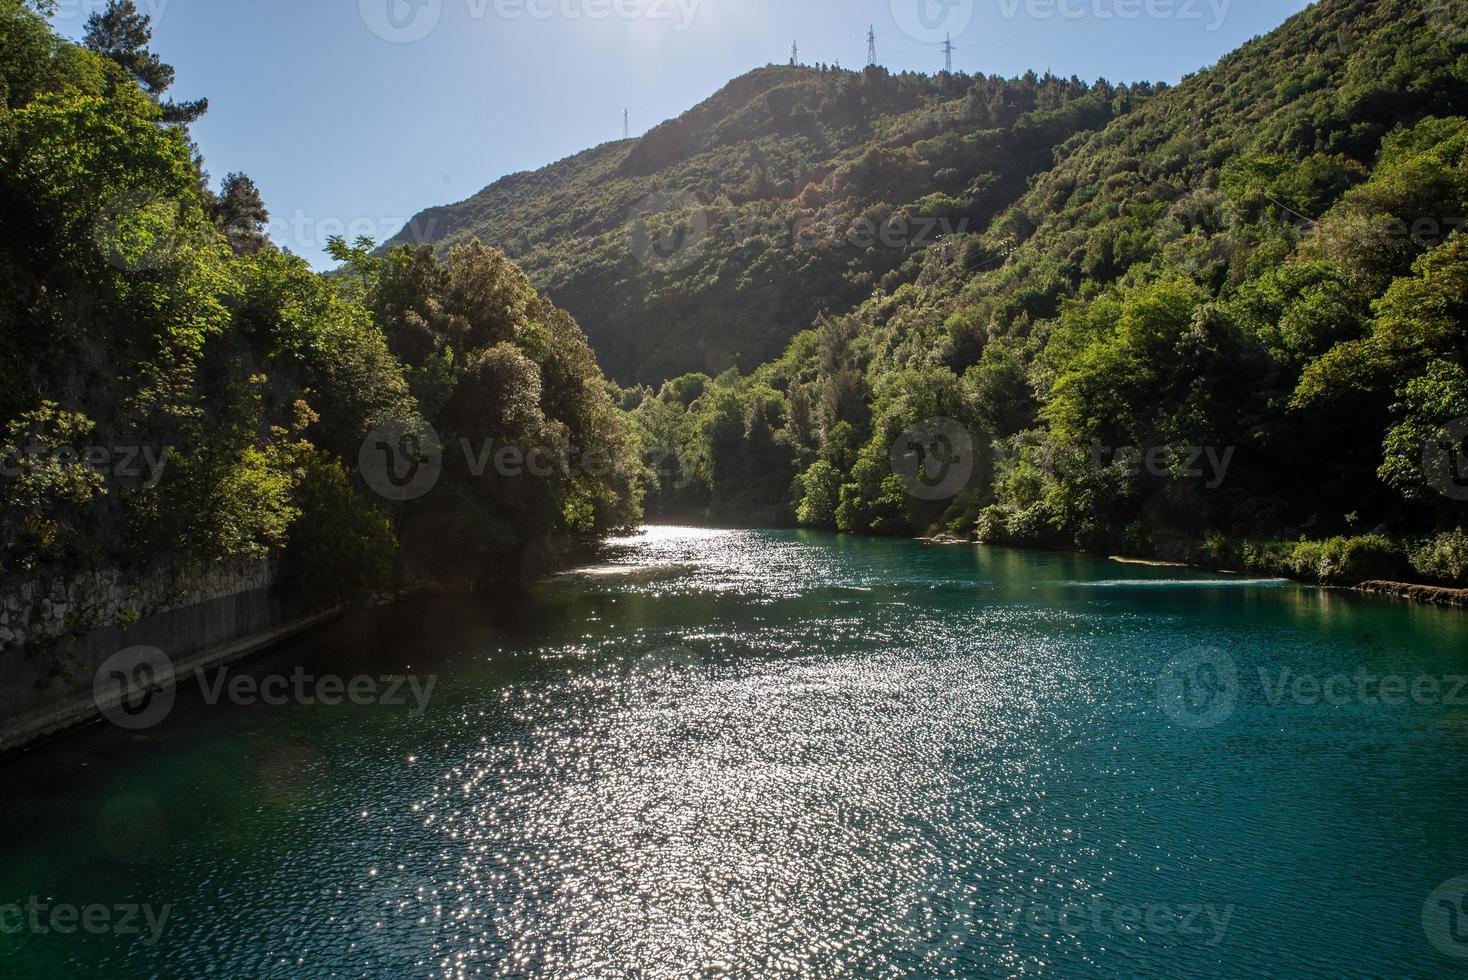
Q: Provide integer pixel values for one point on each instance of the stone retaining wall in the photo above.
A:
(38, 613)
(55, 633)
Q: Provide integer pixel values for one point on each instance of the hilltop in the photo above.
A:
(1265, 263)
(713, 239)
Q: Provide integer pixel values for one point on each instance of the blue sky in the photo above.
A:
(352, 115)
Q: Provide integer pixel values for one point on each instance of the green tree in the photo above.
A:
(120, 32)
(239, 212)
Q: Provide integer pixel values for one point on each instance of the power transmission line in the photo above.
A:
(794, 53)
(626, 124)
(948, 53)
(872, 45)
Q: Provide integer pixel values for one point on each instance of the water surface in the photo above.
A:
(781, 753)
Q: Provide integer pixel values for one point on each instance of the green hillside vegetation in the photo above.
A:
(790, 193)
(1225, 322)
(1268, 261)
(142, 312)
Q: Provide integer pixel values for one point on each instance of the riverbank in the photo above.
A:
(1384, 588)
(61, 637)
(86, 705)
(1457, 598)
(75, 646)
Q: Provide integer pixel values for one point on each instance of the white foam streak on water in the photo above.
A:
(1173, 583)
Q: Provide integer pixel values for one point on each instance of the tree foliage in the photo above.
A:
(1267, 261)
(790, 193)
(148, 321)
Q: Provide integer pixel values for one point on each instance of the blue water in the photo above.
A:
(780, 753)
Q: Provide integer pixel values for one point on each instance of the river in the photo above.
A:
(759, 753)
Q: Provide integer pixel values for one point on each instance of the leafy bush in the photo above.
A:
(43, 484)
(1334, 561)
(1359, 559)
(993, 525)
(1443, 559)
(817, 491)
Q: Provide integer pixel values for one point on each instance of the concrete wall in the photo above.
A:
(55, 633)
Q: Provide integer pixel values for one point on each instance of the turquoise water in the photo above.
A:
(761, 753)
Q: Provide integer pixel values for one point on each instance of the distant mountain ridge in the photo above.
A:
(710, 241)
(1267, 262)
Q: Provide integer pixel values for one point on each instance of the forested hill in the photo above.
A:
(1267, 262)
(174, 389)
(710, 241)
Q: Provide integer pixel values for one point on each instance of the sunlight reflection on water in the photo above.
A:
(782, 753)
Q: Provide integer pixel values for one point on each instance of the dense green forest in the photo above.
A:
(1231, 327)
(1224, 322)
(791, 193)
(145, 318)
